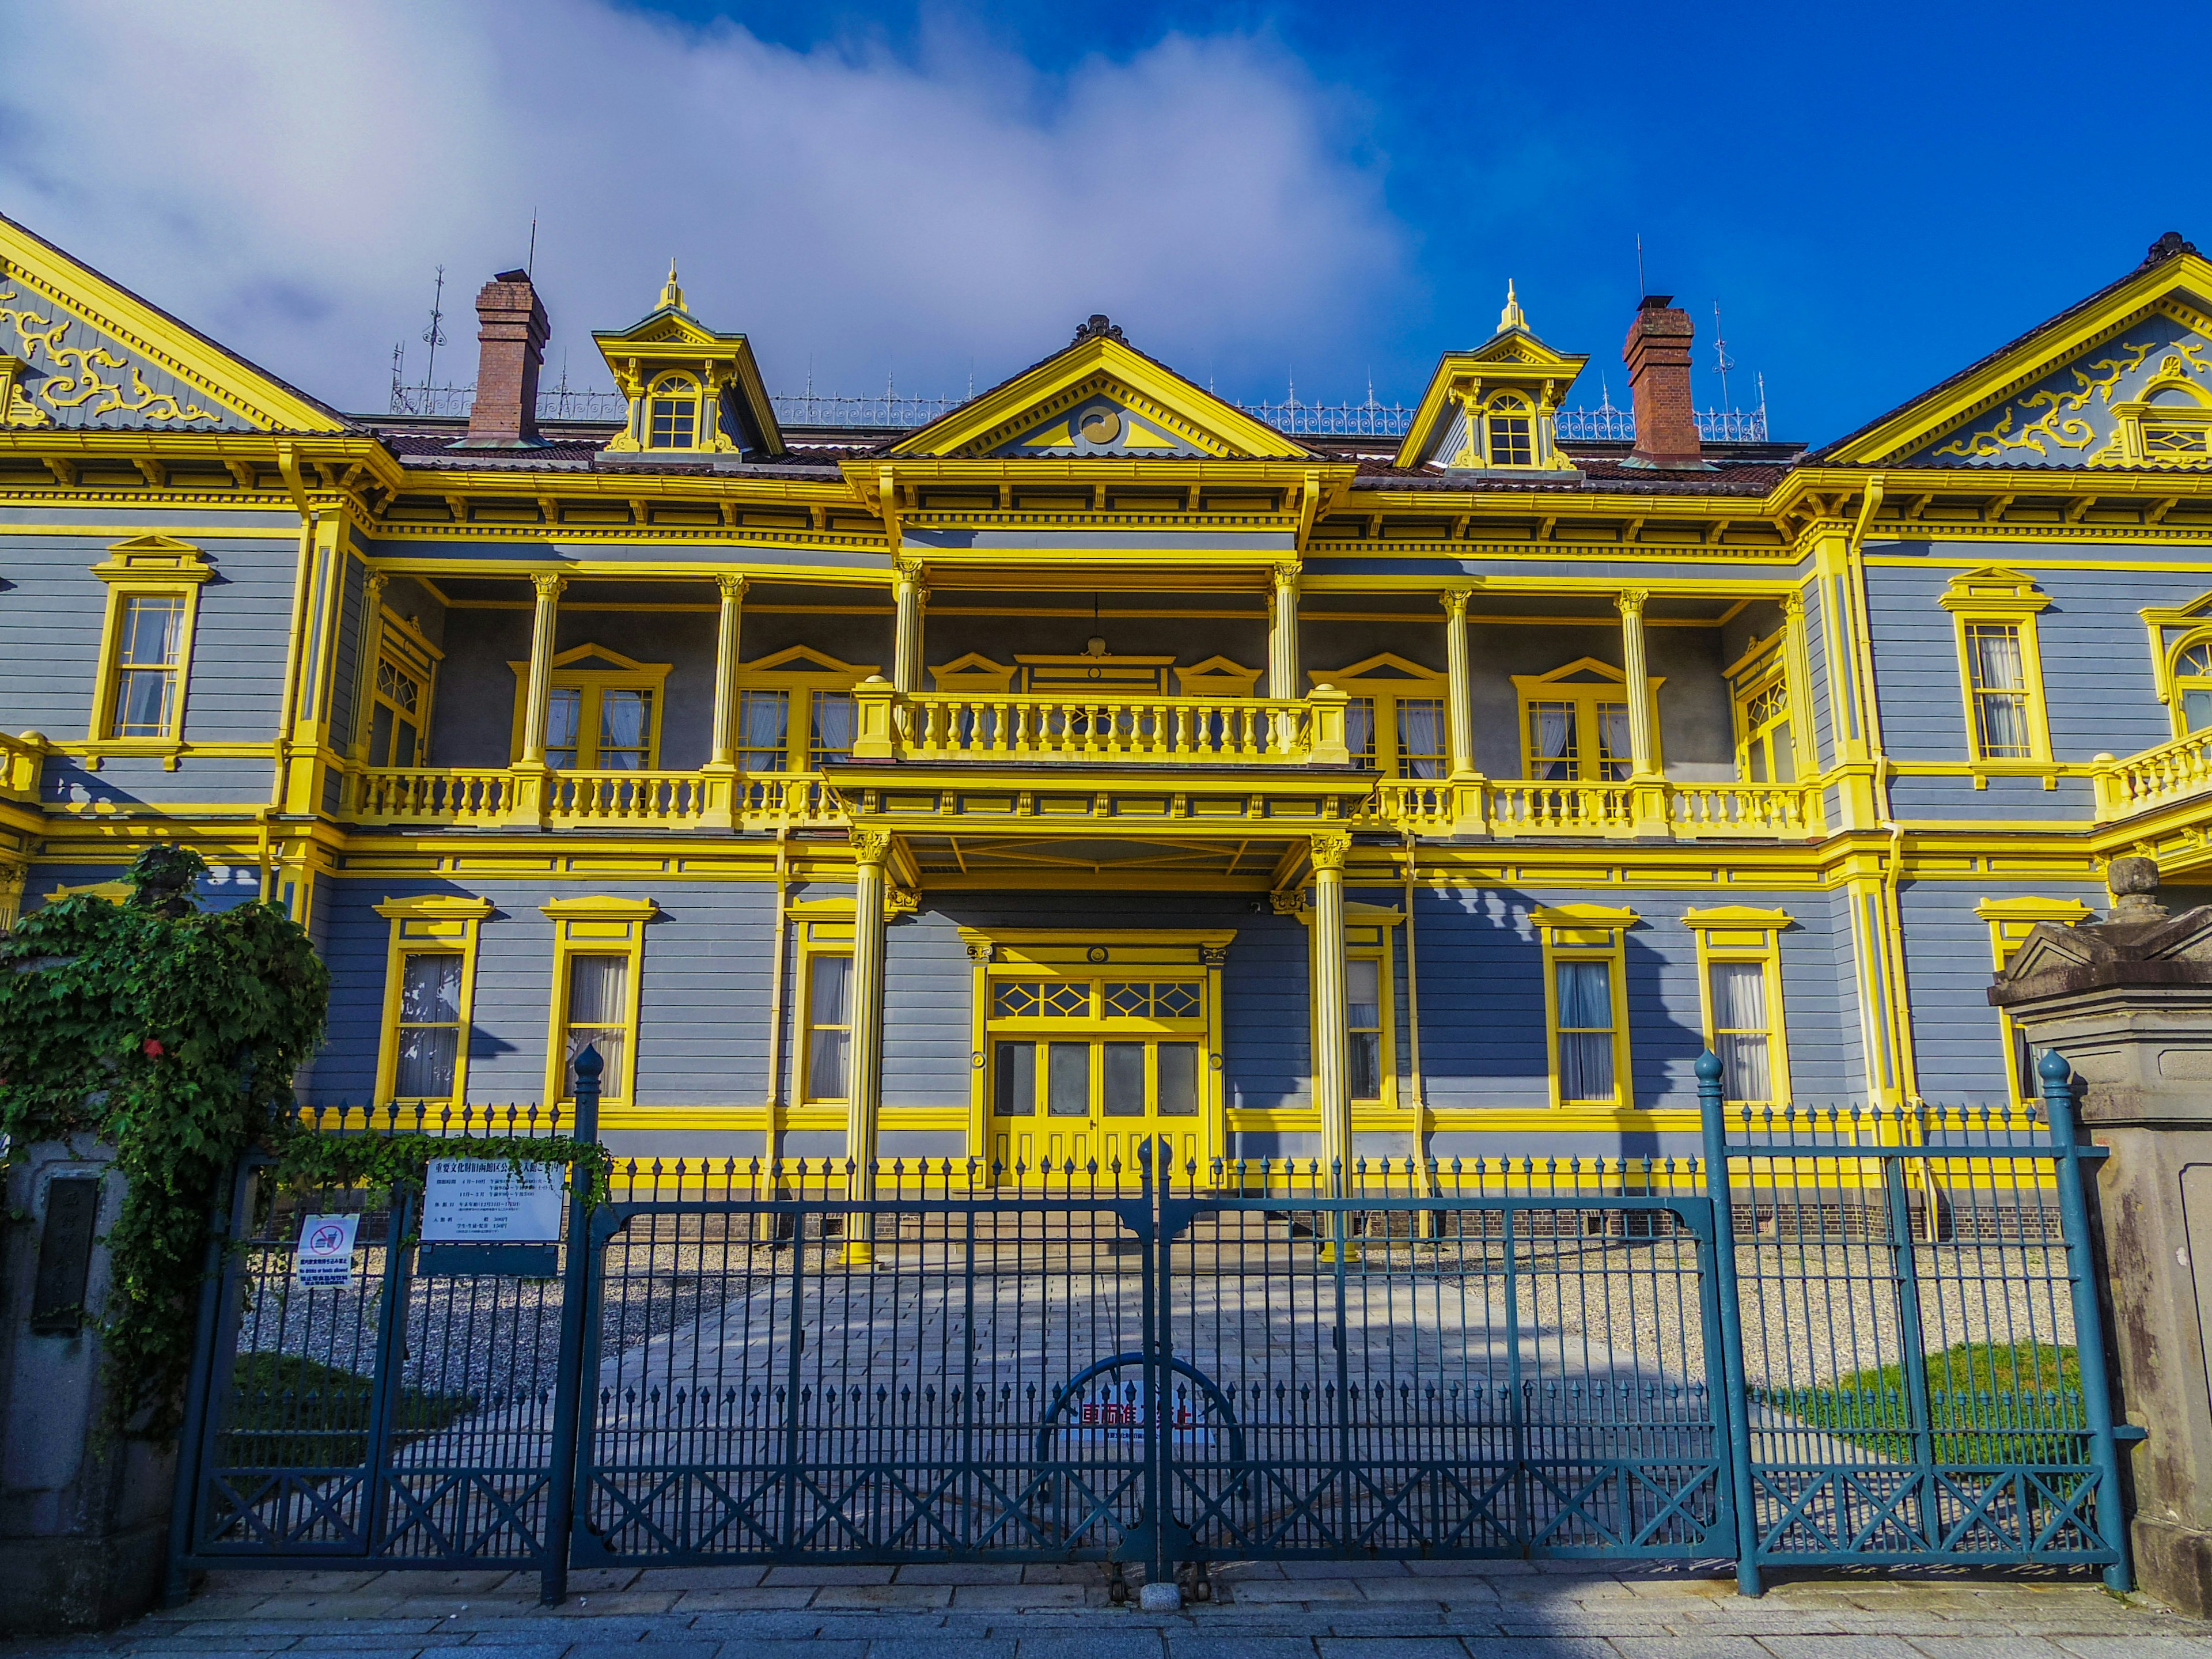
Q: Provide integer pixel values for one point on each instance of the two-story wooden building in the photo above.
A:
(1097, 762)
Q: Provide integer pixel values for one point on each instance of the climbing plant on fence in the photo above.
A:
(173, 1036)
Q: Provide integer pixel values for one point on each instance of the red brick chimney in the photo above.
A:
(1658, 358)
(511, 334)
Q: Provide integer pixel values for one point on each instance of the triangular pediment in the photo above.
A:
(805, 659)
(80, 353)
(1100, 397)
(1384, 666)
(2124, 380)
(668, 326)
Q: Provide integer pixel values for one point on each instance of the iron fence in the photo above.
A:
(1838, 1337)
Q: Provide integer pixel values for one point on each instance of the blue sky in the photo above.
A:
(1874, 194)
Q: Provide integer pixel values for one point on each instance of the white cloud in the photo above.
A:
(284, 177)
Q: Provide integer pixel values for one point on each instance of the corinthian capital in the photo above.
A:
(1630, 601)
(1330, 852)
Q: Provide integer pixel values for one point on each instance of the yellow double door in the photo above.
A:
(1062, 1104)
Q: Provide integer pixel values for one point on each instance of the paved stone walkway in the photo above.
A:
(1308, 1610)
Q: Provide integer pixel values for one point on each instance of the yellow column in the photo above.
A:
(1459, 686)
(910, 593)
(528, 803)
(1331, 1046)
(864, 1085)
(1635, 666)
(542, 623)
(723, 808)
(1648, 795)
(1283, 633)
(725, 670)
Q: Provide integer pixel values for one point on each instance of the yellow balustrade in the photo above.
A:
(652, 800)
(2172, 771)
(1581, 809)
(657, 799)
(1194, 731)
(1743, 809)
(1426, 807)
(426, 794)
(19, 760)
(800, 800)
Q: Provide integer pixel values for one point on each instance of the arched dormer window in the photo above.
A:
(1510, 430)
(2192, 683)
(673, 413)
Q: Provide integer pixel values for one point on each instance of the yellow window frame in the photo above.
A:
(1763, 669)
(1587, 933)
(596, 926)
(1589, 684)
(1742, 932)
(145, 567)
(2010, 921)
(1995, 597)
(678, 388)
(409, 653)
(622, 674)
(1386, 680)
(2183, 677)
(1367, 938)
(820, 938)
(800, 673)
(1497, 446)
(431, 924)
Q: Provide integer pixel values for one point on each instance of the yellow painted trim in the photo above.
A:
(1997, 597)
(1588, 698)
(811, 951)
(1735, 915)
(627, 675)
(447, 924)
(145, 567)
(1569, 932)
(571, 917)
(1738, 920)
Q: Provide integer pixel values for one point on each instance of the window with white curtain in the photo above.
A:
(1999, 673)
(1584, 1032)
(1742, 1034)
(598, 1017)
(1421, 738)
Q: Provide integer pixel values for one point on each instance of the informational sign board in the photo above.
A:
(486, 1201)
(325, 1254)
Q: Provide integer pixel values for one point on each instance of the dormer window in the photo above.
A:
(673, 414)
(1512, 429)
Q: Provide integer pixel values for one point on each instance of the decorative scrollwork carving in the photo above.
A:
(75, 381)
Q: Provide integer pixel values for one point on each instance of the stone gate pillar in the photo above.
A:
(83, 1520)
(2128, 1002)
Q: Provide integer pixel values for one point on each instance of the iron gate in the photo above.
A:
(1874, 1339)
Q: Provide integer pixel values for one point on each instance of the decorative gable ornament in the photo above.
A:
(1098, 398)
(691, 391)
(2122, 380)
(1495, 408)
(78, 352)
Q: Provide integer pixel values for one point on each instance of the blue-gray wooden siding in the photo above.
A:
(52, 609)
(1958, 1039)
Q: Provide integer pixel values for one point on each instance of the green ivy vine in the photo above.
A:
(171, 1036)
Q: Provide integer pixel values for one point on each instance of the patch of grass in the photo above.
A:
(1987, 1403)
(289, 1412)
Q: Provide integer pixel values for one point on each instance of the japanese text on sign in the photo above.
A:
(487, 1201)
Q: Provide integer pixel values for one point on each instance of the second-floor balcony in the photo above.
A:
(936, 747)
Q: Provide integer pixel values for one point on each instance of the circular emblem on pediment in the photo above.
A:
(1100, 425)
